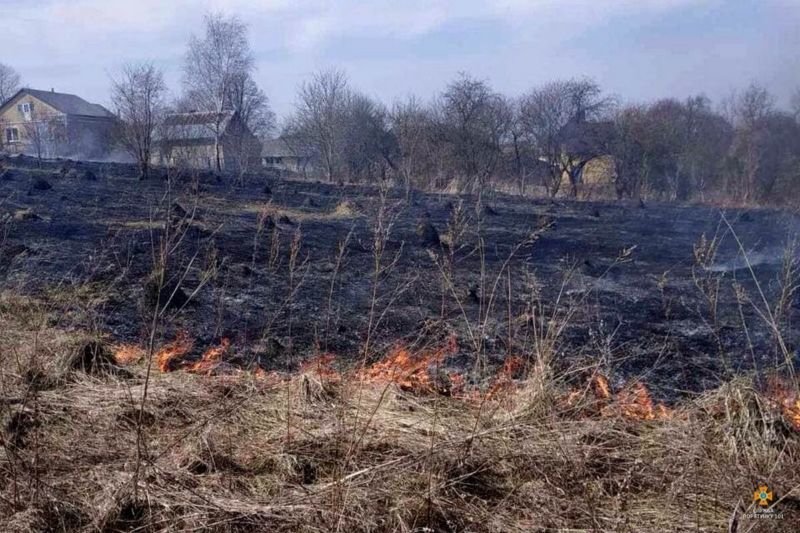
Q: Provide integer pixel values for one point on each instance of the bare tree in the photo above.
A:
(257, 121)
(320, 117)
(214, 64)
(473, 122)
(521, 155)
(749, 111)
(411, 125)
(795, 104)
(45, 132)
(9, 82)
(556, 117)
(138, 96)
(369, 149)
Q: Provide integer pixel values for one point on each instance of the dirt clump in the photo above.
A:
(427, 233)
(41, 184)
(22, 215)
(167, 294)
(91, 357)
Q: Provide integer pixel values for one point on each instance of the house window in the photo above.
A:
(12, 135)
(25, 109)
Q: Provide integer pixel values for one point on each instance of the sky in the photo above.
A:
(637, 50)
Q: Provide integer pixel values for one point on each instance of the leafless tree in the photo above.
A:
(521, 156)
(138, 96)
(748, 111)
(369, 149)
(473, 121)
(795, 104)
(555, 116)
(45, 132)
(320, 117)
(214, 64)
(256, 117)
(9, 82)
(411, 126)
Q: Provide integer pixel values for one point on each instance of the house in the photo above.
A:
(282, 155)
(585, 147)
(206, 140)
(50, 124)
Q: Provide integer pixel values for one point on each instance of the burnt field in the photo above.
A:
(285, 270)
(184, 354)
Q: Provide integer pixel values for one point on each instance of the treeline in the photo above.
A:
(744, 149)
(470, 137)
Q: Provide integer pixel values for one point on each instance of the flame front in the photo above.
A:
(601, 388)
(408, 371)
(322, 365)
(126, 354)
(637, 404)
(167, 356)
(784, 397)
(210, 360)
(633, 402)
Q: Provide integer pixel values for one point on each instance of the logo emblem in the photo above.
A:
(763, 496)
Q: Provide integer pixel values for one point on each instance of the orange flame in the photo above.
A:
(781, 395)
(503, 381)
(210, 360)
(601, 388)
(635, 403)
(408, 371)
(168, 355)
(126, 354)
(322, 365)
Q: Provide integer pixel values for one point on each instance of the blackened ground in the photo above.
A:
(87, 244)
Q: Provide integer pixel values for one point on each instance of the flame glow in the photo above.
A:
(783, 396)
(637, 404)
(322, 366)
(210, 360)
(633, 402)
(168, 355)
(410, 372)
(601, 388)
(127, 354)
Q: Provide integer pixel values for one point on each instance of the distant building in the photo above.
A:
(586, 144)
(188, 140)
(51, 124)
(280, 154)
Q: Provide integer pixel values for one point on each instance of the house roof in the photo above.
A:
(195, 126)
(68, 104)
(279, 148)
(586, 137)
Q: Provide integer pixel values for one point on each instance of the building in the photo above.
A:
(190, 140)
(50, 124)
(585, 147)
(279, 154)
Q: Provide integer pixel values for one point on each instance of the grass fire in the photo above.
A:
(240, 296)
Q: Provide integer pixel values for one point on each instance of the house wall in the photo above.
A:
(59, 134)
(10, 117)
(298, 165)
(201, 156)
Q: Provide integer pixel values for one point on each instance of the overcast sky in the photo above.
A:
(637, 49)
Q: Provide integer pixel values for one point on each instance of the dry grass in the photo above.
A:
(372, 458)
